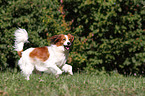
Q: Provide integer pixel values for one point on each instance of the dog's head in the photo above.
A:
(62, 40)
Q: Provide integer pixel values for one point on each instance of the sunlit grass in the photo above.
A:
(79, 84)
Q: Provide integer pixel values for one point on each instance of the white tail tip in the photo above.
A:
(21, 36)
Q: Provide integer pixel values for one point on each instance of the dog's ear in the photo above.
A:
(54, 39)
(71, 37)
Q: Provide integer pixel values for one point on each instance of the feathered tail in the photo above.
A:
(21, 36)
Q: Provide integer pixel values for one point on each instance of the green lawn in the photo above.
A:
(79, 84)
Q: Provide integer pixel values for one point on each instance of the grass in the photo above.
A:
(80, 84)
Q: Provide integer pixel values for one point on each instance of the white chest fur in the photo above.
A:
(57, 55)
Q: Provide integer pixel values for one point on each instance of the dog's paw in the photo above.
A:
(70, 73)
(27, 78)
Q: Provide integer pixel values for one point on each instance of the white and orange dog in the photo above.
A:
(49, 59)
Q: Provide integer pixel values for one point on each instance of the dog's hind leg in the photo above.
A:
(26, 67)
(28, 71)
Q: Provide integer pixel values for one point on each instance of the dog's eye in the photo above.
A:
(69, 39)
(64, 39)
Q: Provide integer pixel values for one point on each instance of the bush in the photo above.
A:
(109, 34)
(28, 14)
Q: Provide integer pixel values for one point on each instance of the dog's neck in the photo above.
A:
(59, 49)
(60, 54)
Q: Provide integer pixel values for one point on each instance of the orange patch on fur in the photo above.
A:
(61, 40)
(58, 40)
(20, 53)
(40, 53)
(70, 37)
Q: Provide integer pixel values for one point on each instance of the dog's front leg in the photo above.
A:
(57, 70)
(67, 69)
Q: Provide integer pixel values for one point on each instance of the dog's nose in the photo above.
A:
(68, 43)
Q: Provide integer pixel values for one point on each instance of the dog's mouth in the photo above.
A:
(66, 47)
